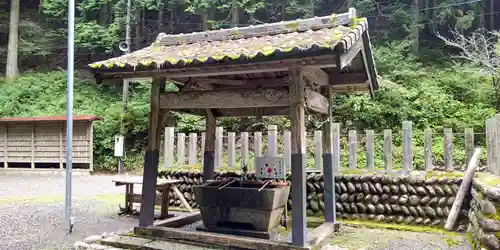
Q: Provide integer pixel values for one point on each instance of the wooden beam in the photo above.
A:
(195, 84)
(298, 188)
(151, 158)
(244, 83)
(326, 61)
(316, 102)
(347, 57)
(332, 79)
(369, 62)
(207, 239)
(255, 98)
(209, 154)
(315, 76)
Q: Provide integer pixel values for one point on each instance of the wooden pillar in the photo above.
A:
(151, 158)
(91, 145)
(209, 154)
(328, 174)
(298, 189)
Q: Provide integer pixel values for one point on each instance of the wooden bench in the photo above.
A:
(162, 199)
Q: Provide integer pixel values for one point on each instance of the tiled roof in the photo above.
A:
(188, 49)
(50, 118)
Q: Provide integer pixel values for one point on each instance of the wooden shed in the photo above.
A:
(40, 142)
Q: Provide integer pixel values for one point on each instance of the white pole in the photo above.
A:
(69, 114)
(121, 164)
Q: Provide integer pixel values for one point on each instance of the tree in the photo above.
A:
(12, 68)
(482, 49)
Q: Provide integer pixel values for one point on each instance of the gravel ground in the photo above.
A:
(32, 210)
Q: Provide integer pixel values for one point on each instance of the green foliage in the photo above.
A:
(430, 94)
(432, 91)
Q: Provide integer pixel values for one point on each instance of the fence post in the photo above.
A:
(318, 150)
(168, 153)
(469, 143)
(496, 144)
(428, 149)
(407, 147)
(219, 140)
(336, 147)
(272, 137)
(181, 154)
(257, 141)
(388, 150)
(448, 149)
(490, 126)
(353, 148)
(244, 149)
(202, 148)
(231, 149)
(287, 141)
(369, 150)
(193, 146)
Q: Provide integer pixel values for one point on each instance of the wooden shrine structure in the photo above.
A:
(288, 68)
(40, 142)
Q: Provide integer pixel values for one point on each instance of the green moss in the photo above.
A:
(235, 33)
(356, 171)
(398, 227)
(450, 242)
(292, 25)
(283, 231)
(333, 18)
(439, 174)
(488, 179)
(172, 60)
(491, 216)
(372, 224)
(468, 236)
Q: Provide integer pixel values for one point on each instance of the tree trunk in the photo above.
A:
(235, 15)
(161, 13)
(103, 15)
(138, 34)
(415, 31)
(12, 69)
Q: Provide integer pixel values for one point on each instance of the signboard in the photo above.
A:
(268, 167)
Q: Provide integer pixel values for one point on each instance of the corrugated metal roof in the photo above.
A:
(242, 49)
(50, 118)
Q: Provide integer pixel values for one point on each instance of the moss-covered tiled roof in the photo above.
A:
(201, 52)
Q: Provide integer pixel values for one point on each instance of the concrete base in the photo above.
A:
(239, 232)
(42, 171)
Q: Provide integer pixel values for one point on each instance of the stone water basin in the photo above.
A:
(241, 205)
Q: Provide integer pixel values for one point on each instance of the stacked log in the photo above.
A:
(484, 219)
(381, 198)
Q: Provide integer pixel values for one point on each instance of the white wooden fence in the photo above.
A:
(234, 150)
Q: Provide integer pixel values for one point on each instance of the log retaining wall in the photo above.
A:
(484, 215)
(422, 198)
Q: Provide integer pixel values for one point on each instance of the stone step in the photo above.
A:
(138, 243)
(127, 242)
